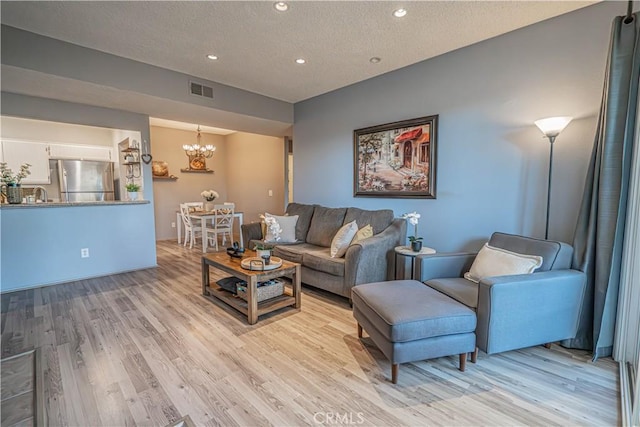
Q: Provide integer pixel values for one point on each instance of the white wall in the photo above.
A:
(491, 159)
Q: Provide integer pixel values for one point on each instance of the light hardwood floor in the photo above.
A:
(146, 348)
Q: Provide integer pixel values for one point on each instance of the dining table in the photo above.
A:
(203, 216)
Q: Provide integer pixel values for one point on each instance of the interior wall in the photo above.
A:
(492, 161)
(120, 238)
(255, 166)
(166, 145)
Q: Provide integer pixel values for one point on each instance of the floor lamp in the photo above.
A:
(551, 128)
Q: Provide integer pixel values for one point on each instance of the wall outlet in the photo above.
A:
(173, 225)
(84, 253)
(270, 193)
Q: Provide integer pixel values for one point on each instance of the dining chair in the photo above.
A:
(192, 206)
(190, 230)
(222, 225)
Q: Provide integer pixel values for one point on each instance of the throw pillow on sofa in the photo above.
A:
(491, 262)
(342, 239)
(363, 233)
(288, 226)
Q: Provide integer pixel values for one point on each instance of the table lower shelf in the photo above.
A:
(264, 307)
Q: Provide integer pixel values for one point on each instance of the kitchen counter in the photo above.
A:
(72, 204)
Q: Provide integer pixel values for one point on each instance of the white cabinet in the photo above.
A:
(15, 153)
(81, 152)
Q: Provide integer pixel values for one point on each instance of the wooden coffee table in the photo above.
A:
(251, 308)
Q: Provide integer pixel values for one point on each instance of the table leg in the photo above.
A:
(179, 227)
(297, 287)
(252, 300)
(203, 223)
(413, 259)
(205, 276)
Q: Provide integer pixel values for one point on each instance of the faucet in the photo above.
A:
(42, 190)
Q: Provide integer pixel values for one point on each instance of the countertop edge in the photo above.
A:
(72, 204)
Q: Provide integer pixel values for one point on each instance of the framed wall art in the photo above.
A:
(396, 159)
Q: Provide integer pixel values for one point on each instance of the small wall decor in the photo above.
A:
(160, 170)
(396, 159)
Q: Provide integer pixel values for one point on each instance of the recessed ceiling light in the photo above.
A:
(300, 61)
(212, 57)
(374, 60)
(281, 6)
(399, 13)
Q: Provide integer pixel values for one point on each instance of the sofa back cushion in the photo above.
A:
(325, 223)
(379, 220)
(304, 212)
(555, 255)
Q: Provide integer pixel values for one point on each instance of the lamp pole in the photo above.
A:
(551, 128)
(552, 139)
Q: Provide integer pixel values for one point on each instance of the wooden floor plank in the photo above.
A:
(146, 348)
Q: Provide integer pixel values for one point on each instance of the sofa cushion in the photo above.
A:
(342, 239)
(363, 233)
(549, 250)
(320, 260)
(305, 213)
(491, 262)
(287, 225)
(461, 290)
(325, 223)
(379, 219)
(294, 252)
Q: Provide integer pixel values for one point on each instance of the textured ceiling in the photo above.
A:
(257, 45)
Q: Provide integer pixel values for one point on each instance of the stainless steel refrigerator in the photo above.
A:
(85, 180)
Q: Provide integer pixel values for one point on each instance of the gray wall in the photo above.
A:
(491, 159)
(41, 246)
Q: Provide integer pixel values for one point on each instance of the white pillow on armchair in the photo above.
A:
(491, 262)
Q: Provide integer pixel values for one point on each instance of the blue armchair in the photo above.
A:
(513, 311)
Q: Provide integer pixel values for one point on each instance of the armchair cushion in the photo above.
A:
(492, 261)
(461, 290)
(555, 255)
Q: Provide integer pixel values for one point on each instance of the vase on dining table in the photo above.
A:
(208, 206)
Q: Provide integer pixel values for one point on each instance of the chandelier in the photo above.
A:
(198, 149)
(197, 154)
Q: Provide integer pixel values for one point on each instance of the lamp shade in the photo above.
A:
(552, 126)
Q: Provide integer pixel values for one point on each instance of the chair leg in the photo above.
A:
(463, 361)
(359, 331)
(474, 355)
(394, 372)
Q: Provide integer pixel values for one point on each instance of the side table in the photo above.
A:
(405, 251)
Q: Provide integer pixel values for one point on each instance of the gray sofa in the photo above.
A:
(514, 311)
(369, 260)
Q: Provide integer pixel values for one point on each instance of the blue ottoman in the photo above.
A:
(410, 321)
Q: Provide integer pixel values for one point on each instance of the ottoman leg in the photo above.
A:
(359, 331)
(463, 361)
(394, 373)
(474, 355)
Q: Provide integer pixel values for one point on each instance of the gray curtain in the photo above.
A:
(599, 234)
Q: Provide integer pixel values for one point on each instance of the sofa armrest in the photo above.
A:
(252, 231)
(528, 309)
(444, 265)
(369, 260)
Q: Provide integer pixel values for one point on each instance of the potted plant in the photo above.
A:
(132, 190)
(12, 181)
(209, 196)
(263, 249)
(416, 242)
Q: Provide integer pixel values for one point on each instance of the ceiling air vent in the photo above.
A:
(201, 90)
